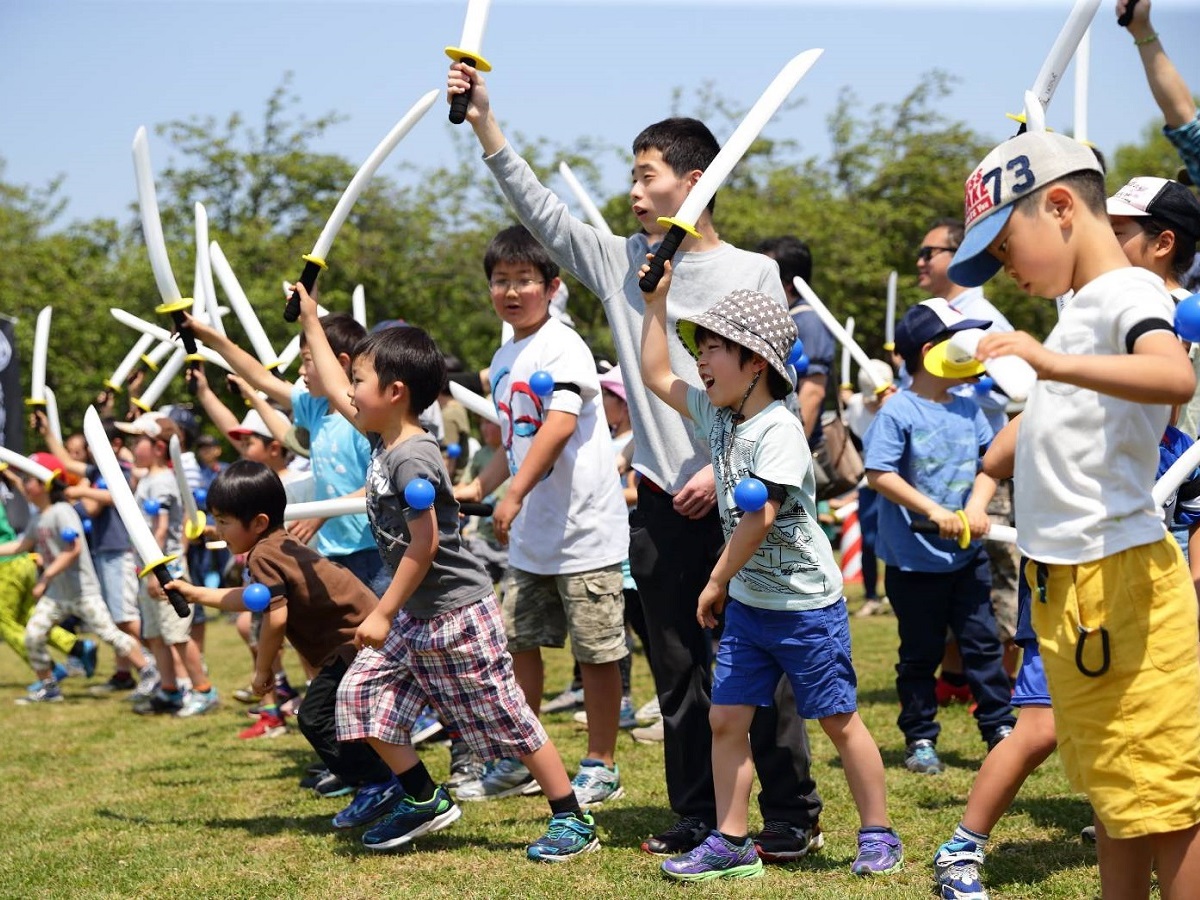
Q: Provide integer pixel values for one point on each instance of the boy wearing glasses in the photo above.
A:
(563, 515)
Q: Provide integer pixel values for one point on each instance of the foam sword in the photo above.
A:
(590, 210)
(243, 309)
(846, 382)
(314, 262)
(41, 349)
(140, 535)
(193, 519)
(161, 334)
(683, 223)
(835, 328)
(1064, 46)
(467, 52)
(889, 321)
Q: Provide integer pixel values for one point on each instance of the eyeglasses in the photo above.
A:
(925, 254)
(525, 284)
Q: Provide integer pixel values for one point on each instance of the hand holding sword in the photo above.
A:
(467, 52)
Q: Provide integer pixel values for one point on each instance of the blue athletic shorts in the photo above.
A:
(1031, 688)
(811, 647)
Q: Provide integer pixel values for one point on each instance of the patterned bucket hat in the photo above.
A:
(750, 319)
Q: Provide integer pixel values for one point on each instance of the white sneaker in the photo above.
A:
(504, 778)
(649, 712)
(565, 702)
(595, 783)
(651, 734)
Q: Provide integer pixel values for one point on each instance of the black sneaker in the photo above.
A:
(686, 834)
(997, 736)
(313, 776)
(160, 703)
(332, 786)
(120, 681)
(783, 842)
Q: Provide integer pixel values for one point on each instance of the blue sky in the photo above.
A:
(79, 77)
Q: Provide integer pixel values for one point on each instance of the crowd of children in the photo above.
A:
(677, 494)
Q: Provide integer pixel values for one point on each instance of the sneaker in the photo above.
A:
(715, 858)
(371, 802)
(686, 834)
(45, 693)
(783, 842)
(83, 657)
(198, 703)
(595, 783)
(627, 718)
(956, 871)
(503, 778)
(313, 778)
(997, 736)
(410, 819)
(267, 726)
(329, 785)
(147, 683)
(568, 835)
(120, 681)
(58, 672)
(568, 700)
(649, 712)
(426, 726)
(465, 765)
(947, 693)
(879, 853)
(875, 606)
(247, 695)
(159, 703)
(922, 758)
(651, 734)
(1088, 834)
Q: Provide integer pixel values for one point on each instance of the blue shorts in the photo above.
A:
(1031, 688)
(811, 647)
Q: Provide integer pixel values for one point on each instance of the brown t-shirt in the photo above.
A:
(325, 602)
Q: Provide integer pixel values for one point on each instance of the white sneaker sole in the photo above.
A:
(445, 820)
(592, 801)
(524, 789)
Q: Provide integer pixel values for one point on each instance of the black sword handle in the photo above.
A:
(1127, 16)
(483, 510)
(458, 106)
(308, 278)
(185, 333)
(664, 254)
(181, 605)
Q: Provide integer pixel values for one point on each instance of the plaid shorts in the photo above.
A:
(458, 663)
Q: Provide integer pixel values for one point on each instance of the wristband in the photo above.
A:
(1148, 39)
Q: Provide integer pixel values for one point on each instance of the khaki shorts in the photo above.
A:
(1129, 736)
(159, 618)
(542, 610)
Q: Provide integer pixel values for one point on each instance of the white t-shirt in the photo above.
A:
(794, 568)
(1086, 462)
(575, 519)
(859, 416)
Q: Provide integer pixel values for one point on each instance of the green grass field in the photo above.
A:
(103, 803)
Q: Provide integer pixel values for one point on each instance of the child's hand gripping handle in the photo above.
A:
(185, 333)
(1126, 17)
(308, 278)
(929, 527)
(460, 102)
(180, 605)
(664, 254)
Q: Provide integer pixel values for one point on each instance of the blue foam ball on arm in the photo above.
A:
(541, 383)
(1187, 318)
(750, 495)
(419, 493)
(151, 506)
(69, 535)
(454, 451)
(256, 596)
(795, 354)
(985, 385)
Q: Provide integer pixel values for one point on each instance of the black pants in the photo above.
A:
(926, 604)
(352, 761)
(671, 557)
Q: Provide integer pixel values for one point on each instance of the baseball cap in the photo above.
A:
(932, 321)
(252, 424)
(1158, 198)
(614, 381)
(1015, 169)
(50, 462)
(207, 440)
(750, 319)
(185, 419)
(881, 370)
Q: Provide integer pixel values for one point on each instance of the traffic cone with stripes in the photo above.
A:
(851, 547)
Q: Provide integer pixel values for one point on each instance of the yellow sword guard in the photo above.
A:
(668, 221)
(458, 54)
(150, 567)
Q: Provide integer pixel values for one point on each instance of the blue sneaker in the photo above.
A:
(922, 758)
(84, 654)
(45, 693)
(879, 853)
(410, 819)
(567, 836)
(956, 871)
(58, 673)
(426, 726)
(371, 802)
(715, 857)
(197, 703)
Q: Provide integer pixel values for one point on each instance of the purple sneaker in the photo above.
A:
(715, 857)
(879, 853)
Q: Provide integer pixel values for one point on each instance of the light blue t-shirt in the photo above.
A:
(935, 447)
(340, 456)
(794, 569)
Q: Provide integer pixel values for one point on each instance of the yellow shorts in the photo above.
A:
(1129, 738)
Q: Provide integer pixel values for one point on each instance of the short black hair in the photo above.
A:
(1184, 251)
(792, 254)
(515, 244)
(778, 386)
(410, 355)
(954, 230)
(1087, 184)
(246, 489)
(685, 144)
(342, 332)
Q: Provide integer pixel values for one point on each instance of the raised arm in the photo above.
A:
(244, 363)
(656, 360)
(328, 365)
(216, 410)
(1166, 84)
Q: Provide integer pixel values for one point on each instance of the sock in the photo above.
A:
(417, 783)
(202, 690)
(736, 840)
(271, 710)
(962, 833)
(875, 829)
(567, 804)
(958, 679)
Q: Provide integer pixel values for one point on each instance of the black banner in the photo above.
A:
(12, 404)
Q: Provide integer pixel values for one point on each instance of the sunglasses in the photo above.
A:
(925, 254)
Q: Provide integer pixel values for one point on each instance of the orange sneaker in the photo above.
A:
(268, 725)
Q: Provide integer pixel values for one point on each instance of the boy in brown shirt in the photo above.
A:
(317, 605)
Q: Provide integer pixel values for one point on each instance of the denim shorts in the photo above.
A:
(811, 647)
(117, 572)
